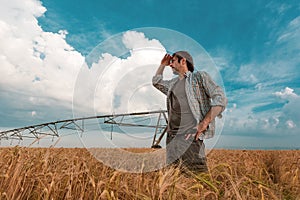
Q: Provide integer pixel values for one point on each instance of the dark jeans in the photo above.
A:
(190, 153)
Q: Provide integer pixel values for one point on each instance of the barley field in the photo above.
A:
(73, 173)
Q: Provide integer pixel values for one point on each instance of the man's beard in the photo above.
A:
(175, 72)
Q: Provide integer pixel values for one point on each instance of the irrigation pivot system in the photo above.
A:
(156, 120)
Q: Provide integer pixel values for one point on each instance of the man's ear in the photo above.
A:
(183, 61)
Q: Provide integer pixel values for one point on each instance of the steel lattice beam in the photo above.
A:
(53, 128)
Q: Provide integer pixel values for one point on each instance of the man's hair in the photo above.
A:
(188, 57)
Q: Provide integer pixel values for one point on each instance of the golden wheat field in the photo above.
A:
(73, 173)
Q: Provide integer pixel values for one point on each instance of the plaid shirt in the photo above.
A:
(202, 93)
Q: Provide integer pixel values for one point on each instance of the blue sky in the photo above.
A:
(254, 45)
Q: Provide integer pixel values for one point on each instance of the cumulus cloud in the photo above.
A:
(40, 66)
(47, 74)
(290, 112)
(116, 85)
(135, 40)
(287, 93)
(284, 120)
(44, 70)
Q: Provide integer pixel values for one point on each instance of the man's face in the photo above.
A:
(175, 65)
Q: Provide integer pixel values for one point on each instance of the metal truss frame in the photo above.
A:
(78, 124)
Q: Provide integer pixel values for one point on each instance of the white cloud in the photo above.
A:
(46, 67)
(38, 64)
(287, 93)
(135, 40)
(241, 118)
(290, 124)
(118, 85)
(290, 113)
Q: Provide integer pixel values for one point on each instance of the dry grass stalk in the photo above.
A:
(58, 173)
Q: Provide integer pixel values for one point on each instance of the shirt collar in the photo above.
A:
(187, 74)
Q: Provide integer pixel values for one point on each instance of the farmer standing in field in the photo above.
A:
(193, 102)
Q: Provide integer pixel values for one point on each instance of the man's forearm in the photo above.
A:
(212, 113)
(210, 116)
(160, 70)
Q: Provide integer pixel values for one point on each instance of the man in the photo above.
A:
(193, 102)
